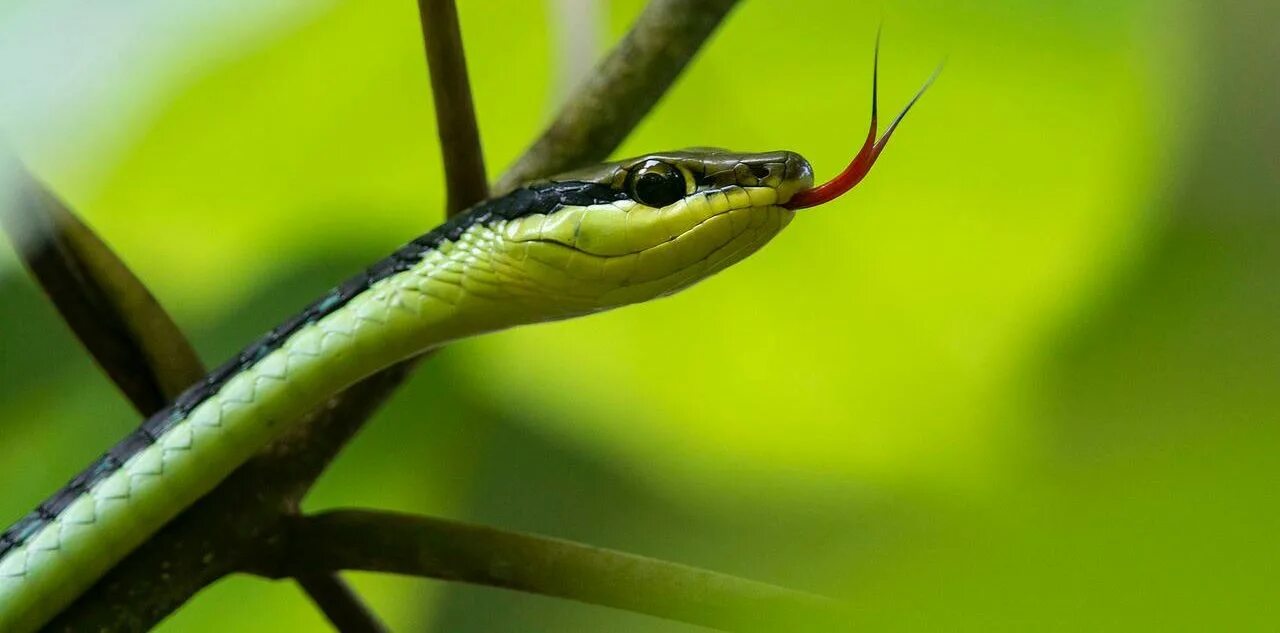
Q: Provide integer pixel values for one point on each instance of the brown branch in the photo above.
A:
(110, 311)
(229, 529)
(117, 319)
(624, 87)
(435, 548)
(464, 172)
(340, 604)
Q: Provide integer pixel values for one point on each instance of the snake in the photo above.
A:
(589, 240)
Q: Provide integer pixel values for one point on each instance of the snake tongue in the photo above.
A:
(862, 163)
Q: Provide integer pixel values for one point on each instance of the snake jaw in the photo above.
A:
(861, 165)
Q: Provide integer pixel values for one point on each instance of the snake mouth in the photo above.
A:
(782, 193)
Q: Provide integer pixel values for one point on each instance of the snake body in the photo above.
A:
(612, 235)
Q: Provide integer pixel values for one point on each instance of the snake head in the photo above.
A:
(632, 230)
(635, 229)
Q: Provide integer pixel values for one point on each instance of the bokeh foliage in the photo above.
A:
(1021, 379)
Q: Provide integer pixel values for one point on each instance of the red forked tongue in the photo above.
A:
(866, 158)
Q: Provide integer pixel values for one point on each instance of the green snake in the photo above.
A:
(583, 242)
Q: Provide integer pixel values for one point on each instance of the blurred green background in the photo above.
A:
(1024, 378)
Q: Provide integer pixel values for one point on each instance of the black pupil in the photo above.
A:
(658, 187)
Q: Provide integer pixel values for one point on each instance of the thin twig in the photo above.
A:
(464, 171)
(622, 90)
(113, 314)
(340, 604)
(435, 548)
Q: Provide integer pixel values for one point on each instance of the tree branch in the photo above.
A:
(113, 314)
(230, 529)
(340, 604)
(464, 171)
(435, 548)
(602, 111)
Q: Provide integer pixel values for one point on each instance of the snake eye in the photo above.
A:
(656, 184)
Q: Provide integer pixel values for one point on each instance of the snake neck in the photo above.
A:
(430, 292)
